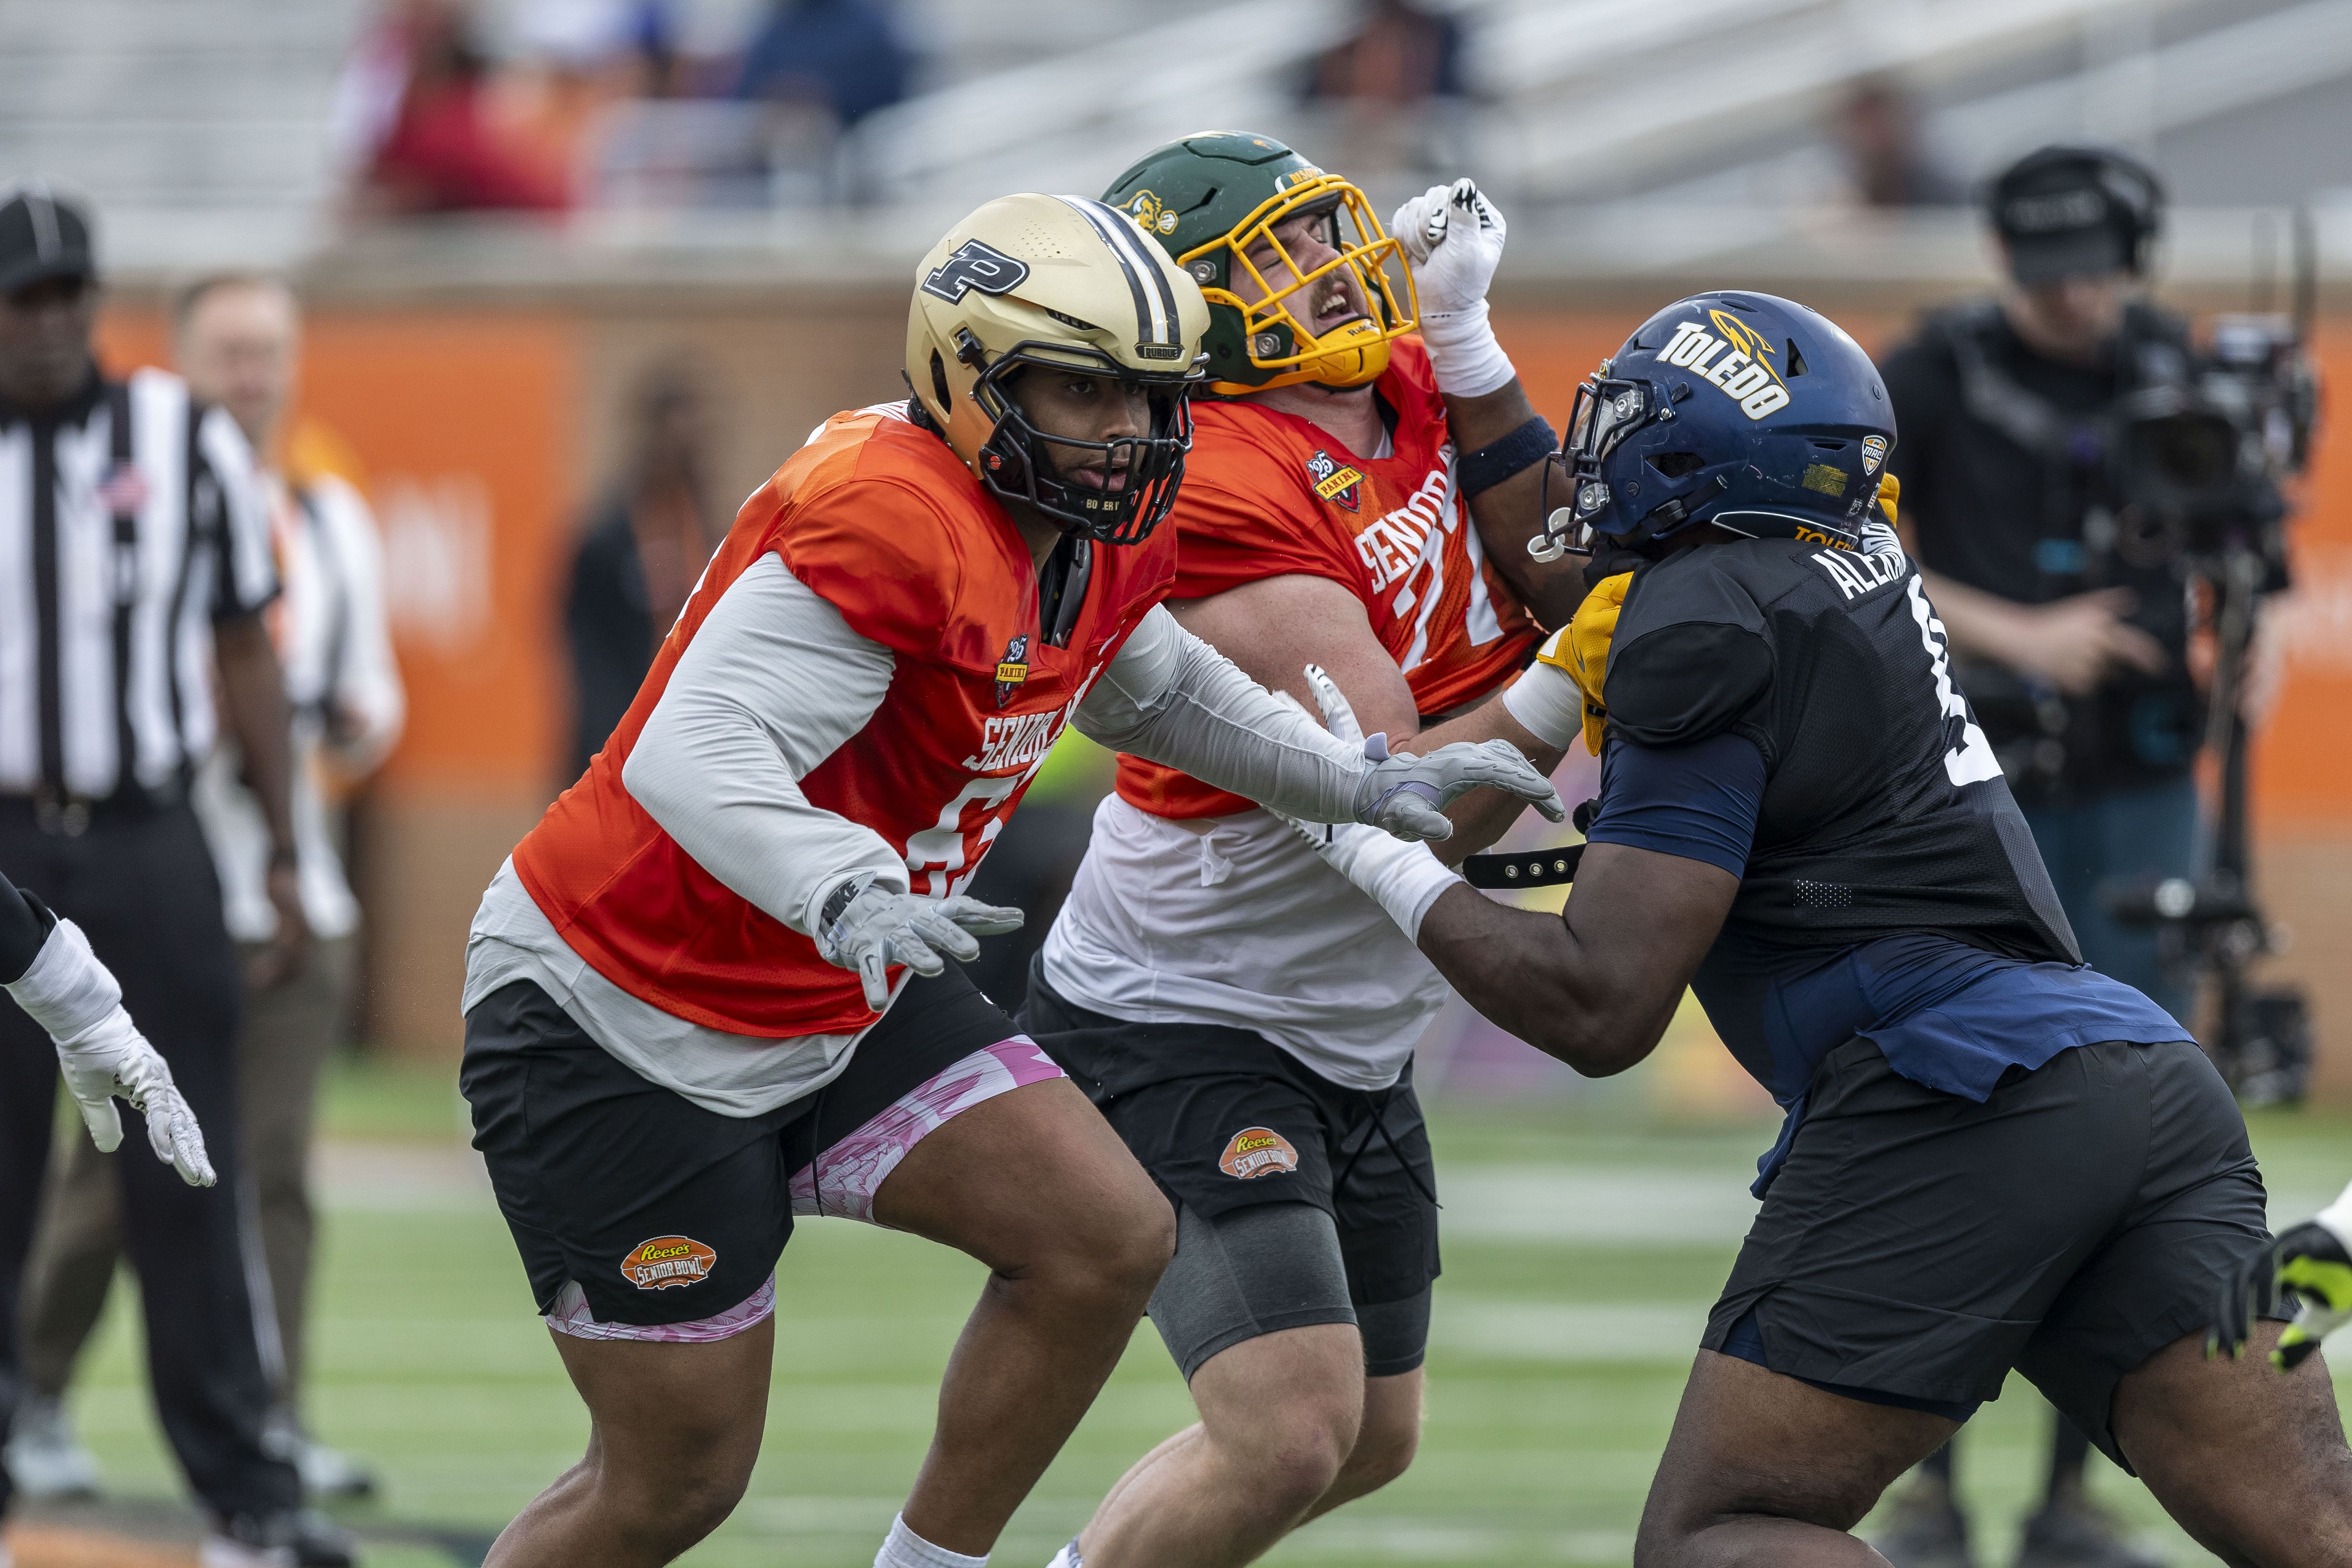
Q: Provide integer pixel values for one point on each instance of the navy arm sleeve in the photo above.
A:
(1697, 802)
(25, 927)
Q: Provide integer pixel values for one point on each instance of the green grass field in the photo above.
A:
(1584, 1242)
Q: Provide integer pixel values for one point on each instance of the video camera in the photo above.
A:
(2201, 462)
(2200, 476)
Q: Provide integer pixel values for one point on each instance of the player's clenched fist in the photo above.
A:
(866, 928)
(2310, 1266)
(1452, 236)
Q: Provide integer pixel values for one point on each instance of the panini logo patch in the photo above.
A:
(1012, 669)
(668, 1260)
(1256, 1152)
(1733, 359)
(1334, 481)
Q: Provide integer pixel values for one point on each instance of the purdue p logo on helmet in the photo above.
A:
(1057, 284)
(1213, 201)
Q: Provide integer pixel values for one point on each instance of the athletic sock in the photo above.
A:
(1068, 1557)
(902, 1548)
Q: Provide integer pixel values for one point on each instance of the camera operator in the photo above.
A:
(2069, 610)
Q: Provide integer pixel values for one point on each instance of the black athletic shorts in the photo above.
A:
(1920, 1245)
(665, 1212)
(1223, 1119)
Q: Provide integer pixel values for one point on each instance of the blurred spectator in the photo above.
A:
(1393, 91)
(418, 127)
(1878, 130)
(1400, 57)
(644, 548)
(574, 61)
(238, 339)
(844, 56)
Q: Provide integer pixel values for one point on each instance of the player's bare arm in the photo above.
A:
(1596, 985)
(1453, 237)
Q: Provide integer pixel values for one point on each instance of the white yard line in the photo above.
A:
(1569, 1333)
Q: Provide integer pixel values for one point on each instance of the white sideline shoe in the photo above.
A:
(46, 1459)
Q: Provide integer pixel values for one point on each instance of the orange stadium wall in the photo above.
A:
(482, 432)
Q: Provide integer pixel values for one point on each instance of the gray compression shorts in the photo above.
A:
(1269, 1267)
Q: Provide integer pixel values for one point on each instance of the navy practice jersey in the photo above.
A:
(1787, 711)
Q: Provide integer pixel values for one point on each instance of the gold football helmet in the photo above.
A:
(1061, 283)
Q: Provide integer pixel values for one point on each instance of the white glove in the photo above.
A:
(1400, 874)
(102, 1055)
(1452, 236)
(878, 928)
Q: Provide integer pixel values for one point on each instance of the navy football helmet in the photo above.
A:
(1753, 413)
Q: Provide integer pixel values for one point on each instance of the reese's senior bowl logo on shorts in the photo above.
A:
(668, 1260)
(1257, 1152)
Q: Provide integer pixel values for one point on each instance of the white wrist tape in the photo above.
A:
(1463, 354)
(67, 990)
(2337, 1217)
(1403, 877)
(1547, 704)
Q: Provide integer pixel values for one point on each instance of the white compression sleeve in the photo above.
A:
(1171, 698)
(772, 683)
(1547, 703)
(67, 990)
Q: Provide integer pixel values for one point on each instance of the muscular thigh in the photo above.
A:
(1032, 1169)
(2252, 1461)
(1751, 1442)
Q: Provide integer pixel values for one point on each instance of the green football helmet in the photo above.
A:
(1212, 198)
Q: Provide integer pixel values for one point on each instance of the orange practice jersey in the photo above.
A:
(1268, 494)
(882, 521)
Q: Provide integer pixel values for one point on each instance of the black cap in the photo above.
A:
(42, 236)
(2072, 212)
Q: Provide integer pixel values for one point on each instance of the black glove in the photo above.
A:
(2309, 1268)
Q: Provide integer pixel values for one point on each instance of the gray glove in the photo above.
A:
(1407, 794)
(112, 1058)
(73, 997)
(875, 928)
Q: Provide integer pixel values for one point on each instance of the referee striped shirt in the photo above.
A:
(131, 522)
